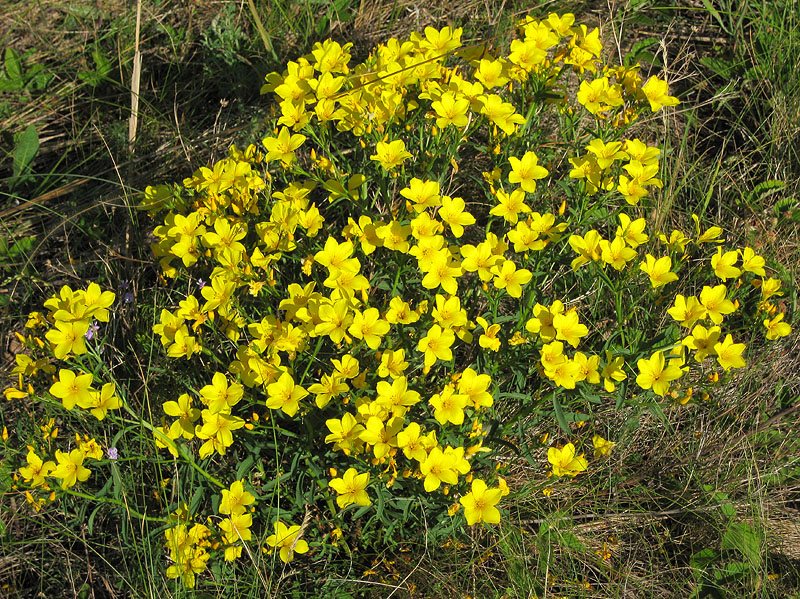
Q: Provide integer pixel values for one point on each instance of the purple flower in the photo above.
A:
(128, 298)
(92, 331)
(200, 283)
(112, 453)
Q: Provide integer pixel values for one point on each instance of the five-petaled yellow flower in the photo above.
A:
(479, 504)
(286, 542)
(352, 488)
(391, 154)
(565, 461)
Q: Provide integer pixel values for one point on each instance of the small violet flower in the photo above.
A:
(92, 331)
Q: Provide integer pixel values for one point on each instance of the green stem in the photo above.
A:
(181, 450)
(617, 303)
(116, 502)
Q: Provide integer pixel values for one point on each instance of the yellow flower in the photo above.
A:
(73, 389)
(655, 91)
(218, 396)
(632, 231)
(283, 147)
(444, 272)
(453, 212)
(564, 372)
(475, 387)
(451, 109)
(286, 541)
(658, 270)
(769, 287)
(569, 328)
(70, 468)
(565, 462)
(752, 262)
(587, 247)
(391, 154)
(217, 430)
(491, 73)
(382, 436)
(448, 406)
(369, 326)
(702, 340)
(716, 305)
(687, 311)
(186, 416)
(479, 504)
(423, 194)
(606, 153)
(729, 354)
(36, 470)
(602, 447)
(436, 345)
(344, 433)
(237, 527)
(439, 467)
(510, 205)
(479, 259)
(351, 488)
(68, 337)
(488, 338)
(330, 386)
(395, 396)
(235, 500)
(776, 328)
(104, 400)
(393, 363)
(525, 171)
(503, 114)
(655, 374)
(285, 395)
(510, 278)
(723, 264)
(410, 441)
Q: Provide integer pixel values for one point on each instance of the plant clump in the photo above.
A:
(426, 250)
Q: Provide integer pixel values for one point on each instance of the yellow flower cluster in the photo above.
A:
(68, 467)
(360, 283)
(595, 168)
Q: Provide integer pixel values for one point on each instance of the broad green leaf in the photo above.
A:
(742, 538)
(25, 152)
(702, 559)
(13, 65)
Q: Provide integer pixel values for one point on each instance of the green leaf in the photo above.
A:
(742, 538)
(638, 51)
(736, 570)
(765, 188)
(570, 541)
(10, 85)
(21, 248)
(562, 420)
(102, 64)
(719, 67)
(25, 152)
(90, 524)
(728, 510)
(13, 65)
(702, 559)
(91, 77)
(715, 13)
(244, 467)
